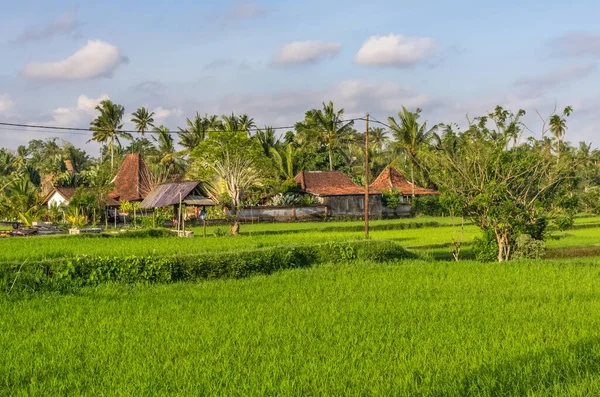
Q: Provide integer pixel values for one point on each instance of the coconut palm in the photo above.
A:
(329, 125)
(143, 120)
(267, 139)
(378, 138)
(410, 137)
(166, 149)
(107, 126)
(194, 134)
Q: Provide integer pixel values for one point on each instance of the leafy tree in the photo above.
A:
(143, 120)
(107, 126)
(237, 161)
(505, 191)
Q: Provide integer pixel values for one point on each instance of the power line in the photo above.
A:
(77, 131)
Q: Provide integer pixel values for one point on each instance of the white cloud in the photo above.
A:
(577, 45)
(95, 59)
(79, 116)
(558, 77)
(6, 104)
(161, 114)
(64, 24)
(301, 52)
(395, 50)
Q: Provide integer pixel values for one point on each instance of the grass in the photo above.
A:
(429, 241)
(412, 328)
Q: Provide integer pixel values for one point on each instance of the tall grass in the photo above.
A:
(348, 329)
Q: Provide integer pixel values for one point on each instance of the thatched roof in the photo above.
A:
(190, 193)
(133, 181)
(392, 179)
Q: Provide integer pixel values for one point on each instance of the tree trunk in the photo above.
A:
(112, 158)
(503, 240)
(412, 176)
(330, 158)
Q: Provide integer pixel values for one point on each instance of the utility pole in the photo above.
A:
(367, 178)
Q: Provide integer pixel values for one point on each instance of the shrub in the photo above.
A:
(65, 274)
(392, 199)
(526, 247)
(486, 247)
(427, 205)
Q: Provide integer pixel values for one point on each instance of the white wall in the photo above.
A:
(58, 199)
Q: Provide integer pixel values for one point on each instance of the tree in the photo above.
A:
(267, 139)
(237, 161)
(328, 125)
(107, 126)
(166, 150)
(558, 127)
(143, 120)
(410, 137)
(505, 191)
(195, 133)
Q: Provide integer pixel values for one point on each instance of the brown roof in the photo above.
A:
(133, 180)
(327, 183)
(66, 192)
(392, 179)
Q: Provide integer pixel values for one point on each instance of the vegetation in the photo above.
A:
(410, 328)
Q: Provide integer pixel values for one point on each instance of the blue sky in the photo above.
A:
(276, 59)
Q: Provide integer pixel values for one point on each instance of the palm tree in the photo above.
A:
(378, 138)
(107, 126)
(410, 137)
(330, 126)
(166, 149)
(267, 139)
(194, 134)
(143, 120)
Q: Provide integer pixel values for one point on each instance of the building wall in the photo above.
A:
(351, 205)
(58, 199)
(354, 206)
(282, 214)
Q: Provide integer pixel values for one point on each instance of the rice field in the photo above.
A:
(409, 328)
(416, 236)
(414, 327)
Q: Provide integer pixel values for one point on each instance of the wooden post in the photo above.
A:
(367, 178)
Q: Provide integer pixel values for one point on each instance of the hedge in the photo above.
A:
(63, 274)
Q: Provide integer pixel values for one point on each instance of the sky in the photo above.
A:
(274, 60)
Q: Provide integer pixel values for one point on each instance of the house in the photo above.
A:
(345, 198)
(133, 181)
(392, 179)
(60, 196)
(341, 196)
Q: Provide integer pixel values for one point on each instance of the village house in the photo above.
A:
(343, 197)
(59, 196)
(133, 181)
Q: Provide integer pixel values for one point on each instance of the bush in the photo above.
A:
(486, 247)
(526, 247)
(392, 199)
(427, 205)
(65, 274)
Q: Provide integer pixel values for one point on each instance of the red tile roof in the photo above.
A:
(133, 180)
(327, 183)
(392, 179)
